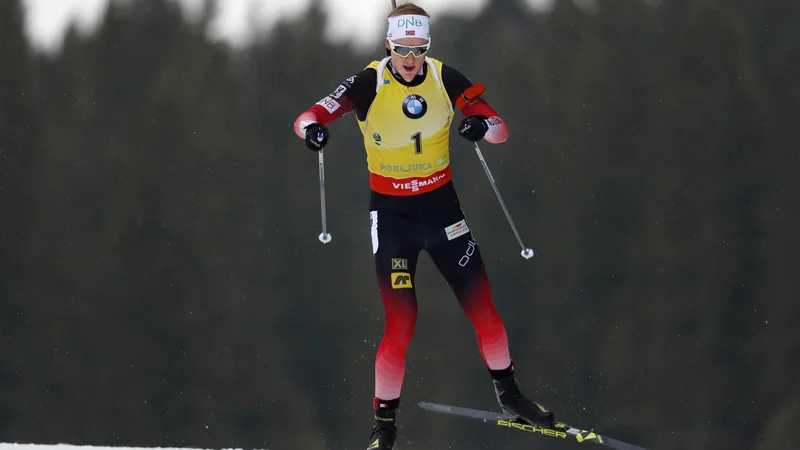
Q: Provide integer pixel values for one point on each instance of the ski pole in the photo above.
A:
(526, 252)
(324, 237)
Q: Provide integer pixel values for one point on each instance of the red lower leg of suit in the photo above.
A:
(401, 313)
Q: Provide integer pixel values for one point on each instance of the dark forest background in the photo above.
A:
(162, 284)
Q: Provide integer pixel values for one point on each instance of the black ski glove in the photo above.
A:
(317, 136)
(473, 128)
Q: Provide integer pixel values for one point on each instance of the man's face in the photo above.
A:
(407, 66)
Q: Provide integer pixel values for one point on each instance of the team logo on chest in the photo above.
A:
(414, 106)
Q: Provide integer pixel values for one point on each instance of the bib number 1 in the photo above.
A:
(417, 138)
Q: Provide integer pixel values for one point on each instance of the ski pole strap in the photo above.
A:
(471, 93)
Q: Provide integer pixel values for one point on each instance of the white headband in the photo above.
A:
(409, 25)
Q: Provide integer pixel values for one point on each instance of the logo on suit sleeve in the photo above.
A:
(329, 104)
(414, 106)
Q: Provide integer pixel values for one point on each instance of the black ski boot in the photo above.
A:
(514, 404)
(384, 431)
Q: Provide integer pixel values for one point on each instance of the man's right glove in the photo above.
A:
(317, 136)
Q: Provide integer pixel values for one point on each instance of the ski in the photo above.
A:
(560, 430)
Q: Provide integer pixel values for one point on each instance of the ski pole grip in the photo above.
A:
(471, 93)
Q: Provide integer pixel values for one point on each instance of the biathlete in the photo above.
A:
(404, 105)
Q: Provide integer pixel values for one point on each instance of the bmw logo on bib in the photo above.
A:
(414, 106)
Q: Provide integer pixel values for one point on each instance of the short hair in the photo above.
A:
(408, 8)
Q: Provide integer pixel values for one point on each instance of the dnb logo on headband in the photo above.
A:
(414, 106)
(409, 21)
(408, 25)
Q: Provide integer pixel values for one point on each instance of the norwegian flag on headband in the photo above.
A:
(410, 32)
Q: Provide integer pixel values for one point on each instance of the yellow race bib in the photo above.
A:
(407, 134)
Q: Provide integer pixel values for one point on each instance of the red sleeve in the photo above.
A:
(354, 94)
(457, 85)
(498, 130)
(324, 111)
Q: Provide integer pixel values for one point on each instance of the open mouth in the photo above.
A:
(408, 68)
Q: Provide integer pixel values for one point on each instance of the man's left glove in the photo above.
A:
(473, 128)
(317, 136)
